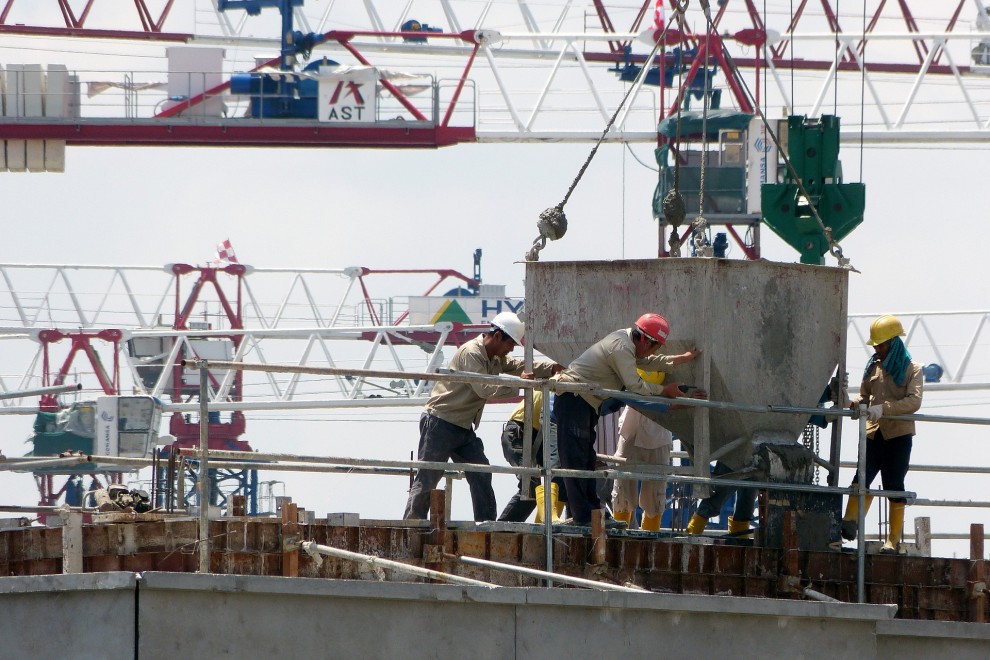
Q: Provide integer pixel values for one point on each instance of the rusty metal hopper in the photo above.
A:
(771, 333)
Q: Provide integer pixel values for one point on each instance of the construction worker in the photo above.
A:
(642, 441)
(453, 412)
(742, 512)
(892, 385)
(518, 509)
(611, 363)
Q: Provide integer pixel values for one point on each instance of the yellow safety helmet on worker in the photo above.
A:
(885, 328)
(654, 377)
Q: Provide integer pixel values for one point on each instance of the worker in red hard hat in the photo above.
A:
(453, 412)
(892, 385)
(612, 364)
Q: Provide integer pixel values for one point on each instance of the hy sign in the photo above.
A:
(470, 310)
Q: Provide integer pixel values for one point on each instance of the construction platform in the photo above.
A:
(923, 588)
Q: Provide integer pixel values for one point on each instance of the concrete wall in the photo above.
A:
(770, 333)
(189, 615)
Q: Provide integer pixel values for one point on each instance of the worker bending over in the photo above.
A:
(892, 385)
(642, 441)
(611, 364)
(518, 508)
(453, 412)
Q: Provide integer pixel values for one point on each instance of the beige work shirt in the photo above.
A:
(611, 363)
(462, 403)
(879, 388)
(642, 431)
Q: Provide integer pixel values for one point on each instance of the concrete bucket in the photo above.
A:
(771, 333)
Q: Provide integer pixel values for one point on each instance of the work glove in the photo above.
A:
(874, 413)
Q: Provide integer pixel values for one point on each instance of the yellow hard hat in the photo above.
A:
(886, 327)
(655, 377)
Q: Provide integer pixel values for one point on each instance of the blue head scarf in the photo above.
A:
(895, 363)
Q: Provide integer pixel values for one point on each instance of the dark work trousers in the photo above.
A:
(440, 441)
(745, 498)
(890, 458)
(576, 422)
(519, 509)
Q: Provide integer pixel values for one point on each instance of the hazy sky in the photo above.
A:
(920, 248)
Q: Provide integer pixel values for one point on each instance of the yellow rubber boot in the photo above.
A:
(697, 524)
(852, 513)
(623, 516)
(737, 527)
(539, 505)
(896, 527)
(556, 508)
(651, 523)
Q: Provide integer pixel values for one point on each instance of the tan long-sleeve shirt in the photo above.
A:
(879, 388)
(612, 364)
(462, 403)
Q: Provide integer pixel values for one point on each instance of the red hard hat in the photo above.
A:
(654, 326)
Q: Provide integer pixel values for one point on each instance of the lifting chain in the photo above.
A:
(552, 224)
(833, 246)
(699, 226)
(810, 440)
(674, 209)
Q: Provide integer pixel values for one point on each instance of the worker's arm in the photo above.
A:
(911, 401)
(476, 364)
(541, 368)
(685, 357)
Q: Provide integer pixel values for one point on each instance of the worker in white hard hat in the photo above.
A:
(892, 385)
(611, 364)
(453, 413)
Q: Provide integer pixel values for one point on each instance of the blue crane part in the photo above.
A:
(813, 149)
(285, 93)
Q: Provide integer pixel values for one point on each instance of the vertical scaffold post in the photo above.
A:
(204, 474)
(549, 435)
(861, 515)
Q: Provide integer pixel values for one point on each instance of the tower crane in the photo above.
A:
(496, 72)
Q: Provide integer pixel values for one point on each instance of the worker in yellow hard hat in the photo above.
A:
(892, 385)
(642, 441)
(518, 508)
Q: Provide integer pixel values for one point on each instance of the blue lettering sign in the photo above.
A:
(485, 307)
(515, 309)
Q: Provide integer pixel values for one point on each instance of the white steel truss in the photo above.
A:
(954, 340)
(318, 317)
(548, 70)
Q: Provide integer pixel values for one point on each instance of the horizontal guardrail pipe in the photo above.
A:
(546, 575)
(964, 469)
(584, 474)
(314, 548)
(27, 466)
(54, 389)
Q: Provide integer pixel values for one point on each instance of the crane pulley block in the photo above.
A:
(812, 185)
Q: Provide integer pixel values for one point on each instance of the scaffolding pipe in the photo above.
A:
(546, 575)
(661, 473)
(54, 389)
(315, 549)
(31, 465)
(817, 595)
(204, 473)
(861, 512)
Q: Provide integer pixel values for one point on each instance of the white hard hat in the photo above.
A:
(510, 324)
